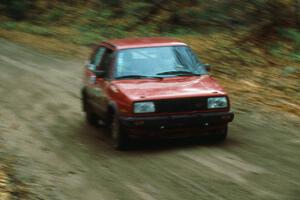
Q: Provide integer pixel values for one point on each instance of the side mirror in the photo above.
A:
(207, 67)
(99, 73)
(90, 66)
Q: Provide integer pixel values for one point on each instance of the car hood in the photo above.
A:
(166, 88)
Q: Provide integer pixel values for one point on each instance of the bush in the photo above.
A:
(17, 9)
(55, 15)
(293, 35)
(188, 16)
(9, 25)
(138, 9)
(37, 30)
(27, 28)
(87, 38)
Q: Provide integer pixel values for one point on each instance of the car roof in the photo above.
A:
(143, 42)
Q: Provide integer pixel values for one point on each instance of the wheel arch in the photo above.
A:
(112, 109)
(84, 98)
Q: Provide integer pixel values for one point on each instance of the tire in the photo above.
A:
(90, 117)
(221, 135)
(83, 100)
(118, 134)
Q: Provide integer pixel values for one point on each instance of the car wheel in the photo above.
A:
(90, 117)
(118, 134)
(221, 135)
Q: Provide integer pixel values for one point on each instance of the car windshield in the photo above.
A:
(158, 62)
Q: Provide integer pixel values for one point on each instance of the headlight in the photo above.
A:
(144, 107)
(217, 102)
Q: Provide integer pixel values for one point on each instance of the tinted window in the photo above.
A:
(106, 60)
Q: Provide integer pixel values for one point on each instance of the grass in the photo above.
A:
(293, 38)
(28, 28)
(46, 44)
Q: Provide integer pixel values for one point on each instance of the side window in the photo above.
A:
(96, 59)
(106, 60)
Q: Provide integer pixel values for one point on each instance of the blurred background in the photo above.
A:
(253, 47)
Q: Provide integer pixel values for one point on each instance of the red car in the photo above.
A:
(145, 87)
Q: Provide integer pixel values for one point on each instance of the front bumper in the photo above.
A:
(176, 125)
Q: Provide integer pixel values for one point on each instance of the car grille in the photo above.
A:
(181, 105)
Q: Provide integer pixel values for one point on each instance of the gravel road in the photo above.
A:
(59, 156)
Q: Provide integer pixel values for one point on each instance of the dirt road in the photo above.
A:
(59, 156)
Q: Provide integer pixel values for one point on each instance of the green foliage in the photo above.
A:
(87, 38)
(175, 31)
(9, 25)
(93, 19)
(188, 16)
(27, 28)
(147, 30)
(38, 30)
(17, 9)
(138, 9)
(192, 14)
(277, 49)
(293, 35)
(112, 3)
(295, 56)
(54, 15)
(90, 21)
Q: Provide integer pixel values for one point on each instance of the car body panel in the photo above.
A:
(169, 88)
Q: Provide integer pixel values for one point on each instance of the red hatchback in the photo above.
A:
(153, 87)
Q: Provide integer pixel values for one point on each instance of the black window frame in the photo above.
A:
(93, 57)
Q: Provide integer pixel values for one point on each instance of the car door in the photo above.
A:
(90, 80)
(100, 96)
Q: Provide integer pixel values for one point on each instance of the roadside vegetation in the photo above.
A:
(253, 46)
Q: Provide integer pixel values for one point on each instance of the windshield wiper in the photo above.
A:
(178, 73)
(137, 77)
